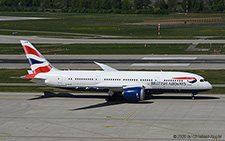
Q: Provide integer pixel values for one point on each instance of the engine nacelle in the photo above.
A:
(134, 93)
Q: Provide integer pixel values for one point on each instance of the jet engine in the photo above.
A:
(134, 93)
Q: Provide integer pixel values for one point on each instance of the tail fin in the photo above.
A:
(38, 63)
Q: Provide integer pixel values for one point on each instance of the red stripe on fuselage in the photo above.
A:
(29, 50)
(185, 78)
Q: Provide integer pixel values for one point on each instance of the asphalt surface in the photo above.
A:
(20, 84)
(87, 116)
(150, 62)
(35, 39)
(9, 18)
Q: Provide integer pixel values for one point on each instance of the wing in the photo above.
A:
(105, 67)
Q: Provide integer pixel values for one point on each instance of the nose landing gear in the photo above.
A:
(193, 95)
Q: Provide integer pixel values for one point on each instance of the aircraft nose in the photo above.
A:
(209, 86)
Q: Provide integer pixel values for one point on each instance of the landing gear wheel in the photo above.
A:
(111, 98)
(193, 95)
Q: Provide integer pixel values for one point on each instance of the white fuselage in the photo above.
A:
(152, 81)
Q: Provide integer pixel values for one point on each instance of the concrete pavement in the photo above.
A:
(87, 116)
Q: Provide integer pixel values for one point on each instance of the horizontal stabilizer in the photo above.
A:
(29, 71)
(31, 77)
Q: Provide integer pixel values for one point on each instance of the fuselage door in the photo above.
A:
(60, 79)
(97, 79)
(189, 85)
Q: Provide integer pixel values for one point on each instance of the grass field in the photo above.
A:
(12, 76)
(36, 33)
(213, 48)
(114, 49)
(113, 24)
(99, 48)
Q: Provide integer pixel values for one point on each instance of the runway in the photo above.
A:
(10, 18)
(87, 116)
(36, 39)
(126, 62)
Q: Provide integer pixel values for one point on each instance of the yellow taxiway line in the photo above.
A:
(156, 126)
(7, 135)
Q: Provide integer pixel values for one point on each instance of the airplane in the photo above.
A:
(132, 85)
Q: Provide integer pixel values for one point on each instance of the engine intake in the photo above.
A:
(134, 93)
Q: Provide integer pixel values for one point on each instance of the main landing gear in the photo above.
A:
(112, 96)
(193, 95)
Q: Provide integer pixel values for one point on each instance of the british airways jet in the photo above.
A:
(132, 85)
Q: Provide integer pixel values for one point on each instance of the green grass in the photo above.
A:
(114, 49)
(12, 76)
(114, 24)
(122, 49)
(99, 48)
(11, 49)
(213, 48)
(215, 90)
(36, 33)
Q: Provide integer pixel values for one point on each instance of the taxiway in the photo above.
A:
(126, 62)
(87, 116)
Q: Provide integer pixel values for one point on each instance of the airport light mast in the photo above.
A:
(186, 13)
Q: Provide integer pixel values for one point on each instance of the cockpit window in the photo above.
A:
(203, 80)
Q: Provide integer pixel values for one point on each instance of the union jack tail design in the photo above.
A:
(38, 63)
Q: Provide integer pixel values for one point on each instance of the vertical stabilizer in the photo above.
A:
(38, 63)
